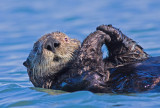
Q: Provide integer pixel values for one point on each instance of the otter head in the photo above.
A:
(50, 54)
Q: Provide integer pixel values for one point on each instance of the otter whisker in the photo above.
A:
(46, 63)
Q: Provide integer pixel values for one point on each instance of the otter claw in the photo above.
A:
(114, 33)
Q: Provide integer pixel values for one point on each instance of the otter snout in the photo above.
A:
(51, 44)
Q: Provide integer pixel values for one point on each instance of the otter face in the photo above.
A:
(50, 54)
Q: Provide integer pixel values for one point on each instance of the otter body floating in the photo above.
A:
(60, 63)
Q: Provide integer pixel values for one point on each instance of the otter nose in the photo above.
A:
(51, 44)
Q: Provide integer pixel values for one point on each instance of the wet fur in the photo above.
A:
(122, 50)
(87, 70)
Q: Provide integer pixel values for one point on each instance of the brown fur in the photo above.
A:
(84, 68)
(122, 50)
(41, 63)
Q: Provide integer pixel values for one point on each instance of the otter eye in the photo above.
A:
(66, 39)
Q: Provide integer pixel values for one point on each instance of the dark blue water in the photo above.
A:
(22, 22)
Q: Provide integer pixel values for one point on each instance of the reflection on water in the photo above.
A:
(49, 91)
(23, 22)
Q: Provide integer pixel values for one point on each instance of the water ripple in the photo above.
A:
(23, 22)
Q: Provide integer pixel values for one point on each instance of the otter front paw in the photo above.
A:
(115, 34)
(122, 50)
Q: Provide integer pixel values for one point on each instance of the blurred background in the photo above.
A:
(22, 22)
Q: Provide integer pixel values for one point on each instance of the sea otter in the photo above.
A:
(61, 63)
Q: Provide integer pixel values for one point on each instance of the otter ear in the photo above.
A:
(76, 41)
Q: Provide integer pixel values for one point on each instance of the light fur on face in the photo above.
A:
(43, 62)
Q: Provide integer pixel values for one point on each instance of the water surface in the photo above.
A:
(22, 22)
